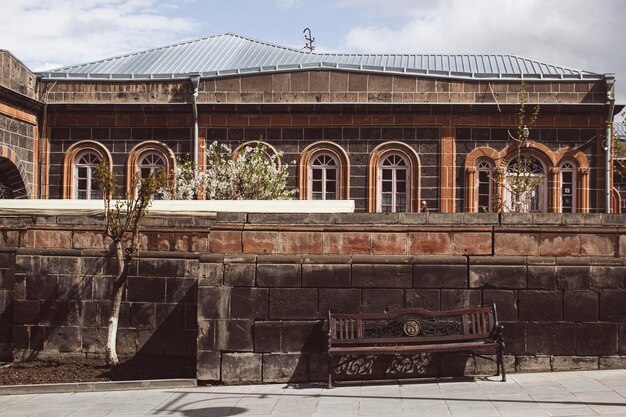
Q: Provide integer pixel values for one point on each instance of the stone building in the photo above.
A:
(390, 131)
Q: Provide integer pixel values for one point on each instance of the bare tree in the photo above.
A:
(122, 219)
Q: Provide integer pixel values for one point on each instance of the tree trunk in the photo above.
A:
(114, 316)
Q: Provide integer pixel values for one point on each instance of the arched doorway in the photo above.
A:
(11, 181)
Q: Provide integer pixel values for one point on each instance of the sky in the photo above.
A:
(579, 34)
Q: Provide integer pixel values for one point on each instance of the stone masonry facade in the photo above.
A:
(248, 294)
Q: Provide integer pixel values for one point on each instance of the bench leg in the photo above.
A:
(330, 372)
(501, 363)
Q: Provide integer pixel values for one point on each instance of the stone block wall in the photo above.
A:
(16, 76)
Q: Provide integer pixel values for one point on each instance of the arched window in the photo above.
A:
(79, 174)
(86, 186)
(525, 185)
(393, 178)
(151, 163)
(147, 158)
(568, 187)
(323, 177)
(484, 186)
(324, 172)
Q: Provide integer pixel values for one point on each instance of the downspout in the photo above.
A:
(608, 163)
(195, 82)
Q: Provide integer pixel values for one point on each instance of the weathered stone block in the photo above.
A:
(63, 339)
(607, 276)
(551, 338)
(506, 303)
(171, 316)
(88, 240)
(206, 334)
(208, 366)
(213, 303)
(389, 243)
(180, 343)
(58, 239)
(339, 300)
(516, 244)
(566, 244)
(267, 336)
(94, 340)
(596, 339)
(146, 290)
(622, 339)
(540, 305)
(439, 276)
(382, 300)
(532, 363)
(457, 299)
(303, 336)
(225, 241)
(293, 303)
(597, 245)
(613, 305)
(181, 290)
(573, 277)
(210, 274)
(259, 242)
(279, 275)
(71, 287)
(515, 337)
(249, 303)
(7, 277)
(612, 362)
(26, 312)
(285, 367)
(429, 243)
(541, 277)
(497, 276)
(579, 306)
(429, 299)
(241, 368)
(143, 315)
(325, 275)
(468, 243)
(347, 242)
(384, 276)
(300, 242)
(234, 335)
(239, 274)
(574, 363)
(41, 287)
(161, 268)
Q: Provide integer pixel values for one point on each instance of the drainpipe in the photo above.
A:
(195, 82)
(610, 95)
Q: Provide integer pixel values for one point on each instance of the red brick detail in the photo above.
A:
(430, 244)
(447, 170)
(347, 243)
(389, 243)
(199, 243)
(53, 239)
(259, 242)
(597, 245)
(559, 245)
(516, 244)
(471, 243)
(223, 241)
(88, 240)
(300, 242)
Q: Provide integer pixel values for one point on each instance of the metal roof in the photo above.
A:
(229, 54)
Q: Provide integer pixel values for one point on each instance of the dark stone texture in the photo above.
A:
(573, 277)
(240, 368)
(181, 290)
(252, 303)
(596, 339)
(541, 277)
(382, 276)
(234, 335)
(607, 276)
(339, 300)
(440, 276)
(278, 275)
(303, 336)
(551, 338)
(580, 306)
(239, 275)
(515, 338)
(63, 339)
(161, 267)
(208, 366)
(146, 290)
(455, 299)
(497, 276)
(285, 367)
(267, 336)
(143, 315)
(540, 305)
(382, 300)
(429, 299)
(506, 303)
(206, 334)
(26, 312)
(293, 303)
(210, 274)
(325, 275)
(613, 305)
(214, 303)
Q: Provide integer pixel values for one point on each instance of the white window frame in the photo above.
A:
(541, 190)
(90, 179)
(324, 167)
(484, 165)
(152, 166)
(568, 166)
(394, 182)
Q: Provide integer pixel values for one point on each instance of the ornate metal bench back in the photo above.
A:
(413, 325)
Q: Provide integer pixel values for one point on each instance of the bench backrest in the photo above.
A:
(413, 325)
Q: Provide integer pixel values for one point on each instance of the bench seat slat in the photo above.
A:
(448, 347)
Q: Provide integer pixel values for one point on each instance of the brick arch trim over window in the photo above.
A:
(69, 161)
(380, 152)
(307, 157)
(20, 192)
(269, 149)
(140, 150)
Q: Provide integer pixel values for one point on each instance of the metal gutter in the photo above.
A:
(195, 82)
(610, 95)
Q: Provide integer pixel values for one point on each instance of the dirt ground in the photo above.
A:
(80, 369)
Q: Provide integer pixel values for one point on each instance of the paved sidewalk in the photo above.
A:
(591, 393)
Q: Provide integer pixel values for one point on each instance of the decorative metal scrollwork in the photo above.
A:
(409, 364)
(413, 326)
(355, 365)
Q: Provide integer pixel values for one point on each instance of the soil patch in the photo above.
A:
(63, 369)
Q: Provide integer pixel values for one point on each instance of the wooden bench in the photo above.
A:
(412, 331)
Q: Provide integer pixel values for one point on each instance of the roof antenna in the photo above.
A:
(310, 40)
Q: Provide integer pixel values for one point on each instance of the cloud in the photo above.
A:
(578, 33)
(45, 32)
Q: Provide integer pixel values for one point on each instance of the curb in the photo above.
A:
(97, 386)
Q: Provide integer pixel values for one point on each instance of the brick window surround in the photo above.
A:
(268, 149)
(343, 170)
(69, 162)
(378, 155)
(135, 155)
(552, 160)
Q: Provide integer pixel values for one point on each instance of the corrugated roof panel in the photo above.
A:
(229, 53)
